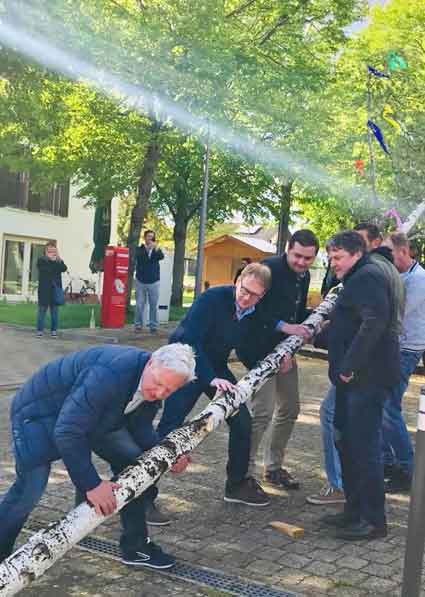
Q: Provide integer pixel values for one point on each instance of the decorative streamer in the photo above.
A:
(359, 166)
(378, 135)
(388, 115)
(393, 213)
(377, 73)
(395, 61)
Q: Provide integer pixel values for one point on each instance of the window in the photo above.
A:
(15, 191)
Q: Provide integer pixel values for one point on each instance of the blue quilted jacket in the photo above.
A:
(71, 400)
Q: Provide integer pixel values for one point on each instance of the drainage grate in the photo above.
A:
(187, 572)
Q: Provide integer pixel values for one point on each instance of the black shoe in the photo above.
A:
(390, 470)
(400, 482)
(150, 556)
(281, 478)
(341, 520)
(154, 516)
(361, 531)
(247, 492)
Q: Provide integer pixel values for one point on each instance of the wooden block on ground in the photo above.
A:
(288, 529)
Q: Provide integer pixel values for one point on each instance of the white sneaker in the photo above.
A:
(327, 495)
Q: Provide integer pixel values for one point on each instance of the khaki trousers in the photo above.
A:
(276, 405)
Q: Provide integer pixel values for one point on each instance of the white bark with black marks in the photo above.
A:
(48, 545)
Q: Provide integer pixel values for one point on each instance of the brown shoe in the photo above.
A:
(248, 492)
(281, 478)
(327, 495)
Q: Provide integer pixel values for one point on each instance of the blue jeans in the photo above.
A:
(180, 403)
(147, 293)
(397, 447)
(358, 431)
(331, 456)
(41, 316)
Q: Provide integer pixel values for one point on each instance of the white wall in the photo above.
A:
(73, 234)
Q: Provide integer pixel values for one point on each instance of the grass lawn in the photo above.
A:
(70, 315)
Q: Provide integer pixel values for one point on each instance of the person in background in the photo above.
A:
(397, 446)
(50, 268)
(148, 256)
(245, 261)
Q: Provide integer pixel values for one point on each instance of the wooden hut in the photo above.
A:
(223, 256)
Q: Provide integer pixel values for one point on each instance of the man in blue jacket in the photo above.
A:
(77, 404)
(222, 319)
(148, 256)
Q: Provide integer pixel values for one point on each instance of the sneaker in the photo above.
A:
(361, 531)
(137, 328)
(154, 331)
(150, 556)
(327, 495)
(281, 478)
(54, 334)
(247, 492)
(340, 520)
(39, 335)
(154, 516)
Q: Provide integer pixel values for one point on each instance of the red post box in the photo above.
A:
(115, 277)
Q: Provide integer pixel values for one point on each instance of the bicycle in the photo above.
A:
(86, 290)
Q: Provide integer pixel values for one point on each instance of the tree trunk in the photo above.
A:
(44, 548)
(144, 189)
(179, 236)
(285, 209)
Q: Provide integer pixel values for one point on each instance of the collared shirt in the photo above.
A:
(135, 402)
(241, 313)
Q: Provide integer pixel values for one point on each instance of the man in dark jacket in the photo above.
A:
(363, 365)
(284, 308)
(148, 257)
(221, 319)
(78, 404)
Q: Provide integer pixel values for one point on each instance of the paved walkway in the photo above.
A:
(206, 531)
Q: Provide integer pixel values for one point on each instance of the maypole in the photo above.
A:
(48, 545)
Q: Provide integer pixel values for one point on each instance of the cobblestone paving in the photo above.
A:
(209, 532)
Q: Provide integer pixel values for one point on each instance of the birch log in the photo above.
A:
(413, 218)
(48, 545)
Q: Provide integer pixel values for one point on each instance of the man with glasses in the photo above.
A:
(222, 319)
(276, 404)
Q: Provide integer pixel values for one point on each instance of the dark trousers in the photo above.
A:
(179, 405)
(358, 433)
(120, 449)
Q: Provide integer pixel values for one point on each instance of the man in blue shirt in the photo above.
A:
(80, 403)
(148, 257)
(222, 319)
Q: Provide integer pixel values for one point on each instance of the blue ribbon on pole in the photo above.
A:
(377, 73)
(378, 135)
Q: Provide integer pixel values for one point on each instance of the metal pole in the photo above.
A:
(414, 554)
(202, 220)
(48, 545)
(369, 138)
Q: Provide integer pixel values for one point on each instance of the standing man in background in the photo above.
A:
(148, 256)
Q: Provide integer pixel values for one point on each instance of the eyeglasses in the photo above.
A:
(248, 293)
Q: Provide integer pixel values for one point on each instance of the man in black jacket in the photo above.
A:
(363, 365)
(284, 307)
(148, 257)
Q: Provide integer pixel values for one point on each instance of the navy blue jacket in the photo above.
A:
(211, 327)
(285, 301)
(362, 337)
(70, 400)
(147, 268)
